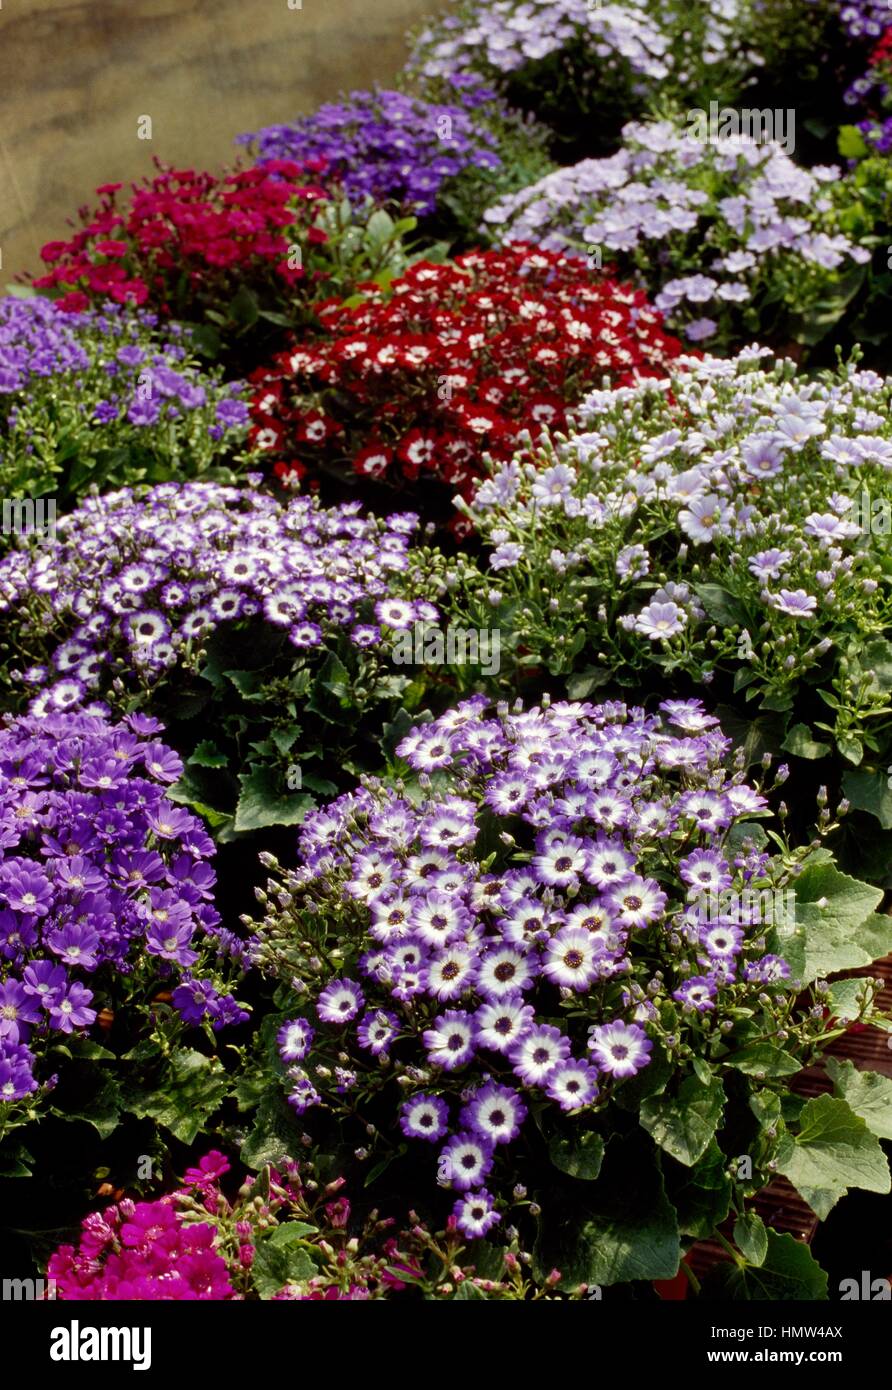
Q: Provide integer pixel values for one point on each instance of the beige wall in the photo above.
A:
(75, 76)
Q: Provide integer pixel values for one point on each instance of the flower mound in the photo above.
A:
(512, 935)
(387, 145)
(149, 1250)
(136, 583)
(215, 232)
(456, 359)
(720, 226)
(736, 520)
(99, 872)
(82, 385)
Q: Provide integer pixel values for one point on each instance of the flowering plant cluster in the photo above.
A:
(502, 960)
(737, 240)
(106, 893)
(427, 156)
(583, 68)
(200, 597)
(103, 397)
(728, 528)
(453, 359)
(233, 253)
(284, 1236)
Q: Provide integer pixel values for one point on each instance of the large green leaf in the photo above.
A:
(579, 1155)
(282, 1258)
(834, 922)
(833, 1151)
(274, 1136)
(262, 802)
(870, 791)
(701, 1194)
(868, 1094)
(620, 1228)
(763, 1059)
(789, 1271)
(751, 1237)
(684, 1124)
(187, 1094)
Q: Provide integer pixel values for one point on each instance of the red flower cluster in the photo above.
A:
(882, 51)
(451, 361)
(187, 236)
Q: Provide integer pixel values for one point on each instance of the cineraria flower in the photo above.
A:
(475, 1214)
(465, 1160)
(294, 1040)
(340, 1001)
(424, 1117)
(553, 976)
(620, 1049)
(92, 893)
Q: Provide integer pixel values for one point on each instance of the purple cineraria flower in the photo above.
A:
(698, 993)
(424, 1117)
(377, 1030)
(495, 1112)
(501, 1024)
(620, 1049)
(340, 1001)
(18, 1009)
(572, 1084)
(540, 1049)
(570, 958)
(294, 1039)
(69, 1009)
(465, 1161)
(796, 602)
(450, 1041)
(475, 1214)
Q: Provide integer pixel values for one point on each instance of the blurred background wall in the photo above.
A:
(77, 75)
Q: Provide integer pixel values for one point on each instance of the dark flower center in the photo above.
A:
(497, 1117)
(541, 1055)
(505, 971)
(456, 1042)
(573, 959)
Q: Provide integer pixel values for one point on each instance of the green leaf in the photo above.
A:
(763, 1059)
(282, 1258)
(788, 1272)
(187, 1094)
(870, 791)
(243, 309)
(261, 803)
(833, 1151)
(580, 1156)
(847, 997)
(800, 743)
(684, 1124)
(581, 685)
(850, 142)
(275, 1135)
(207, 754)
(751, 1237)
(721, 606)
(700, 1194)
(834, 920)
(620, 1228)
(865, 1092)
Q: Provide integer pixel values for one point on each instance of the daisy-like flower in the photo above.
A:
(424, 1117)
(451, 971)
(398, 614)
(503, 1023)
(796, 602)
(561, 864)
(697, 993)
(572, 1084)
(340, 1001)
(637, 901)
(377, 1030)
(450, 1040)
(438, 918)
(475, 1214)
(659, 621)
(620, 1049)
(570, 958)
(464, 1162)
(540, 1049)
(294, 1039)
(495, 1112)
(504, 971)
